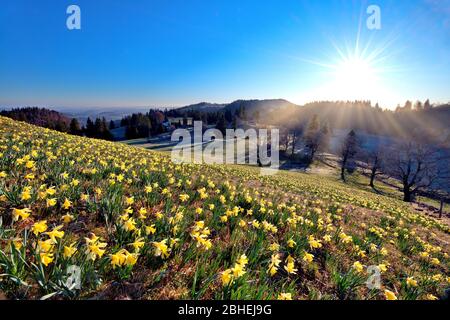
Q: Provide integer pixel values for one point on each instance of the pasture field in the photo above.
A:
(136, 225)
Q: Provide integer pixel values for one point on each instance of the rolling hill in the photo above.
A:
(262, 106)
(203, 107)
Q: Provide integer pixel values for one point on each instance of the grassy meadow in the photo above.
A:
(139, 226)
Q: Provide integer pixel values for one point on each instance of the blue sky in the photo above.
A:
(171, 53)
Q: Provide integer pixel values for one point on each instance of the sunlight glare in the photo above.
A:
(354, 78)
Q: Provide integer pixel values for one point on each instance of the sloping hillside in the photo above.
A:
(139, 226)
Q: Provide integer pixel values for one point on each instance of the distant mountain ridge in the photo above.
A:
(203, 107)
(260, 105)
(82, 114)
(249, 105)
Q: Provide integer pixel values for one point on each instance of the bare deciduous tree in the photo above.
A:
(284, 139)
(415, 165)
(316, 138)
(312, 137)
(348, 151)
(294, 137)
(374, 160)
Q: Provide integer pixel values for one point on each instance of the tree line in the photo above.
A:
(143, 125)
(40, 117)
(56, 121)
(98, 129)
(428, 122)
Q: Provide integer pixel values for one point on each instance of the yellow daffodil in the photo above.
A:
(285, 296)
(226, 277)
(291, 243)
(290, 266)
(21, 213)
(314, 243)
(184, 197)
(95, 248)
(389, 295)
(26, 194)
(150, 229)
(129, 201)
(39, 227)
(411, 282)
(69, 251)
(138, 244)
(51, 202)
(67, 204)
(308, 257)
(358, 267)
(161, 249)
(67, 218)
(274, 264)
(46, 258)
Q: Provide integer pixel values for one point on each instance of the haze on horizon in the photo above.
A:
(156, 53)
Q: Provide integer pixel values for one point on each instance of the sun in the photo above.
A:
(354, 78)
(362, 71)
